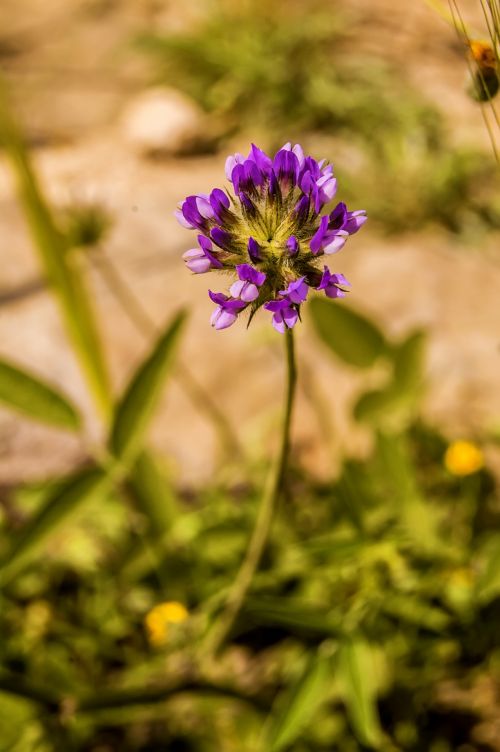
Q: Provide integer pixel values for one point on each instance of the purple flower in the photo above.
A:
(325, 240)
(296, 292)
(269, 231)
(247, 286)
(195, 211)
(227, 310)
(201, 260)
(285, 315)
(330, 283)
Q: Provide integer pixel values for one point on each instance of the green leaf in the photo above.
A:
(372, 406)
(142, 394)
(65, 501)
(36, 399)
(488, 582)
(153, 493)
(295, 708)
(350, 335)
(296, 615)
(357, 679)
(59, 267)
(404, 387)
(408, 360)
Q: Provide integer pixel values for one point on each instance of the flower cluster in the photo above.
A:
(271, 233)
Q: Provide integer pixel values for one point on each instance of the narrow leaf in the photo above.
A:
(58, 265)
(25, 392)
(349, 334)
(142, 394)
(295, 708)
(408, 359)
(65, 501)
(356, 674)
(153, 493)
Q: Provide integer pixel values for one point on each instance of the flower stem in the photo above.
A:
(265, 513)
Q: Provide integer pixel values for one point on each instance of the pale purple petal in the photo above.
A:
(224, 319)
(182, 219)
(236, 288)
(278, 322)
(336, 242)
(355, 221)
(204, 206)
(231, 162)
(290, 317)
(249, 292)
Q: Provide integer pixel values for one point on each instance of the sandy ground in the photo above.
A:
(424, 280)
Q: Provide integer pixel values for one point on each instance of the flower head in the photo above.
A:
(271, 232)
(463, 458)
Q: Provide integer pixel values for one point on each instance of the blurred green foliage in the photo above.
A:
(287, 69)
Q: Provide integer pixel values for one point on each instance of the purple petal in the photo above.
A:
(325, 278)
(217, 297)
(292, 245)
(296, 291)
(290, 316)
(276, 305)
(236, 288)
(263, 162)
(220, 204)
(302, 208)
(231, 162)
(222, 319)
(204, 206)
(334, 292)
(253, 250)
(286, 167)
(204, 242)
(221, 238)
(317, 238)
(338, 217)
(249, 274)
(278, 322)
(182, 220)
(196, 261)
(299, 153)
(339, 279)
(249, 292)
(355, 220)
(336, 242)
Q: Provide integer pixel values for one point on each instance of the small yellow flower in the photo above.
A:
(157, 620)
(463, 458)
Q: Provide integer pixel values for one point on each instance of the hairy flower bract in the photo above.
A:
(270, 232)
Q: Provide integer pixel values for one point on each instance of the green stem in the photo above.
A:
(265, 513)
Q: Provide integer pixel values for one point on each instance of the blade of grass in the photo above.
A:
(58, 266)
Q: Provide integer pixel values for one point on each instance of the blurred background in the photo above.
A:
(373, 622)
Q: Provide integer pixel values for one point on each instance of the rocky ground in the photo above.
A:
(78, 90)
